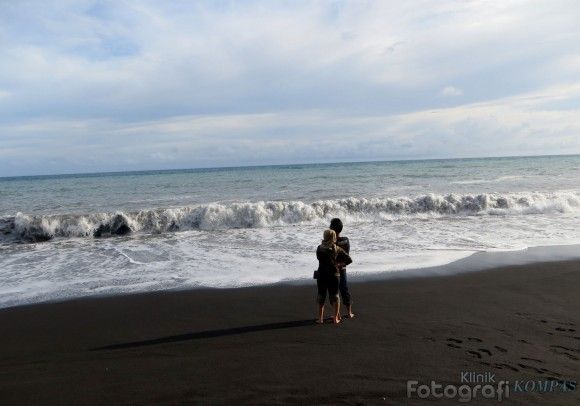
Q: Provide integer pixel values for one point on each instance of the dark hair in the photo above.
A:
(336, 225)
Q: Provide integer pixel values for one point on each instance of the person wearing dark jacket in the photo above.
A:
(344, 243)
(329, 255)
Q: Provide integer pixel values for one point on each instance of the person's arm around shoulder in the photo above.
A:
(343, 256)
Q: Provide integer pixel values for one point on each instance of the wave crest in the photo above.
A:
(216, 216)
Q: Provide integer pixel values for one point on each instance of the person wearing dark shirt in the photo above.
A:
(329, 255)
(344, 243)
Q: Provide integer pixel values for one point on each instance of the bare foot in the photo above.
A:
(319, 321)
(337, 320)
(350, 315)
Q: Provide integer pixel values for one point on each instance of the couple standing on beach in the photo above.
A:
(333, 257)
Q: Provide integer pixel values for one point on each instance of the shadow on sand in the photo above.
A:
(208, 334)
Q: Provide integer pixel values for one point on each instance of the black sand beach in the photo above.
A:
(260, 346)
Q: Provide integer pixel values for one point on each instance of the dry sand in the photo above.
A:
(260, 346)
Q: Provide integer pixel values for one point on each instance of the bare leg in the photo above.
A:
(320, 314)
(337, 311)
(350, 313)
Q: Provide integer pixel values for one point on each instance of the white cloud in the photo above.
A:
(450, 91)
(526, 123)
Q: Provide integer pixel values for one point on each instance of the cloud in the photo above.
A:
(525, 123)
(450, 91)
(151, 84)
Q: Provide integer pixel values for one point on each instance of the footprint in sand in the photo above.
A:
(561, 323)
(453, 345)
(533, 359)
(537, 370)
(560, 350)
(475, 339)
(508, 366)
(565, 348)
(488, 352)
(565, 329)
(572, 357)
(500, 349)
(550, 372)
(477, 354)
(455, 340)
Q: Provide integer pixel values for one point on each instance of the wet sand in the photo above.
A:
(260, 346)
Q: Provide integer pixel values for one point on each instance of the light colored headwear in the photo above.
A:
(329, 239)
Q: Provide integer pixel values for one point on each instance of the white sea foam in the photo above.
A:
(220, 216)
(249, 257)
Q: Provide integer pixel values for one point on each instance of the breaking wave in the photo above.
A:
(219, 216)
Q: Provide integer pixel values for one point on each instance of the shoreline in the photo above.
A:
(474, 262)
(259, 345)
(484, 260)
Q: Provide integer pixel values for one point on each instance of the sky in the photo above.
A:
(91, 86)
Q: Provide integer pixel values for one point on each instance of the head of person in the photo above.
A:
(328, 239)
(336, 225)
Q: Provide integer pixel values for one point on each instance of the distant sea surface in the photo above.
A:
(77, 235)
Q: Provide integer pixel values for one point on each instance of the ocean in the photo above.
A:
(67, 236)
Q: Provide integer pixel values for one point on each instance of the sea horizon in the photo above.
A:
(250, 166)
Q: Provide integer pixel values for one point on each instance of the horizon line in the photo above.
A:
(49, 175)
